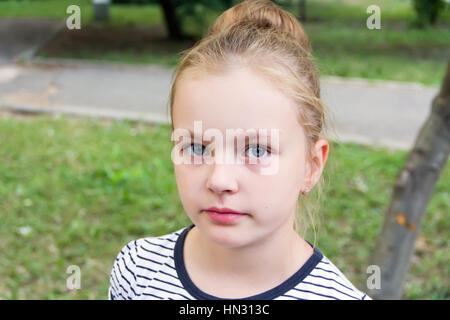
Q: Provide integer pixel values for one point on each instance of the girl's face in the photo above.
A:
(240, 100)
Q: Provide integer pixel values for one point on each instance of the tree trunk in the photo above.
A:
(101, 10)
(302, 10)
(412, 192)
(228, 3)
(172, 23)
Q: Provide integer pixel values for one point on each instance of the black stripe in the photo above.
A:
(170, 266)
(142, 267)
(129, 254)
(160, 289)
(322, 286)
(109, 293)
(112, 284)
(159, 245)
(318, 294)
(173, 284)
(121, 275)
(170, 240)
(160, 263)
(287, 295)
(149, 294)
(144, 277)
(316, 276)
(328, 271)
(120, 285)
(169, 274)
(135, 294)
(154, 252)
(126, 267)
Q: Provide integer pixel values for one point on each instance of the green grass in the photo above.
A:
(341, 42)
(56, 9)
(83, 188)
(415, 55)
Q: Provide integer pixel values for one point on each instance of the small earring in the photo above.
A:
(305, 192)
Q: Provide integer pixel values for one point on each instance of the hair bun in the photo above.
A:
(264, 13)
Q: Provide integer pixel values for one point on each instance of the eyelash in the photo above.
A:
(259, 146)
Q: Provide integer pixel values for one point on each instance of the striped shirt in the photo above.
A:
(153, 268)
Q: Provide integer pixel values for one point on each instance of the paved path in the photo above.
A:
(22, 36)
(387, 114)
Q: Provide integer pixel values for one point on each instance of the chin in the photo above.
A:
(227, 244)
(226, 236)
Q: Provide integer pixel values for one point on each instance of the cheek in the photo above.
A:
(293, 169)
(186, 181)
(188, 188)
(280, 191)
(191, 180)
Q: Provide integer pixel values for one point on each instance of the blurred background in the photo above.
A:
(85, 140)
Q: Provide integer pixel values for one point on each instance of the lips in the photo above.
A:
(224, 215)
(223, 210)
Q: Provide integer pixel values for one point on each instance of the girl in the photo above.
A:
(252, 71)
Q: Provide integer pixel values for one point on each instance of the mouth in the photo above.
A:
(224, 215)
(217, 210)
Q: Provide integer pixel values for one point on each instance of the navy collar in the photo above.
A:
(280, 289)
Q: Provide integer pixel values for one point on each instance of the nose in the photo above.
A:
(221, 179)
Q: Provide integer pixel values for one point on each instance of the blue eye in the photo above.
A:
(197, 150)
(258, 150)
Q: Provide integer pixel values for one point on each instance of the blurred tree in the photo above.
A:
(412, 192)
(101, 9)
(201, 10)
(176, 12)
(135, 1)
(427, 11)
(171, 18)
(302, 9)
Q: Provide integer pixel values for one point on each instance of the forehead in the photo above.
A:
(238, 99)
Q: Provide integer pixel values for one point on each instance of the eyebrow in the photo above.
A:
(252, 136)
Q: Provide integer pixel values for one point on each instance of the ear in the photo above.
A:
(317, 164)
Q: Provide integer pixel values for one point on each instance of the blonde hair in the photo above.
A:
(262, 36)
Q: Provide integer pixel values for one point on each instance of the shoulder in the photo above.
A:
(138, 261)
(326, 281)
(332, 282)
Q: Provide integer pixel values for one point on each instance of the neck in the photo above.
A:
(271, 259)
